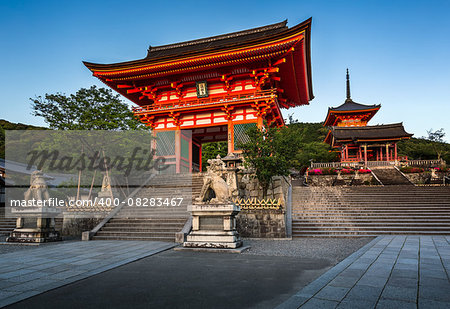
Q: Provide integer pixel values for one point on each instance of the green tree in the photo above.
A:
(2, 143)
(211, 150)
(87, 109)
(437, 137)
(268, 152)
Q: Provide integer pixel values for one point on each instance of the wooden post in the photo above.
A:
(395, 152)
(381, 153)
(177, 150)
(231, 135)
(260, 122)
(387, 152)
(200, 160)
(359, 153)
(365, 155)
(346, 152)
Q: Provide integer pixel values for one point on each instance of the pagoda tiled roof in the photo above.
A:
(370, 133)
(349, 105)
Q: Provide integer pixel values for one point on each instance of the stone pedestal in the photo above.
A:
(214, 226)
(37, 228)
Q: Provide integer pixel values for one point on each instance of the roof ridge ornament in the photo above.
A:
(348, 87)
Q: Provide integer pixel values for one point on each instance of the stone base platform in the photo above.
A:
(213, 226)
(213, 250)
(37, 235)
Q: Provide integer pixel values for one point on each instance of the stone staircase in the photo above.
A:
(370, 211)
(154, 223)
(7, 225)
(391, 176)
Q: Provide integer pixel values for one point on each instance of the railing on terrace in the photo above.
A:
(426, 163)
(381, 163)
(212, 100)
(421, 163)
(333, 164)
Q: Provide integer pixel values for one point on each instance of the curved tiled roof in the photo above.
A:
(349, 105)
(367, 133)
(218, 41)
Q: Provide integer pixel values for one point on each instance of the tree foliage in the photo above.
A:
(87, 109)
(423, 149)
(6, 125)
(267, 152)
(276, 151)
(437, 137)
(211, 150)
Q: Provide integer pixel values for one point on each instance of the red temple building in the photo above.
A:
(356, 141)
(213, 89)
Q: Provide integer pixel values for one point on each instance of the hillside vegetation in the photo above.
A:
(310, 145)
(6, 125)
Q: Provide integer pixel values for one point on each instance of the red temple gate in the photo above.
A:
(213, 89)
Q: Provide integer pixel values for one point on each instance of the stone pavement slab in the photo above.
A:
(389, 272)
(24, 274)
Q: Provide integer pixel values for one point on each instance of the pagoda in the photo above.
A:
(350, 135)
(214, 89)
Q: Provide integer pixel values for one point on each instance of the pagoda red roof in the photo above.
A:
(388, 132)
(350, 108)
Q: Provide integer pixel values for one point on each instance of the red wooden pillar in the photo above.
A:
(395, 151)
(381, 153)
(365, 155)
(200, 160)
(153, 143)
(346, 152)
(231, 135)
(359, 153)
(260, 122)
(178, 150)
(387, 152)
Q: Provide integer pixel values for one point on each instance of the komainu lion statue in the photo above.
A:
(213, 181)
(38, 187)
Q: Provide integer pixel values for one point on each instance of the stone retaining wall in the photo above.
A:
(74, 227)
(249, 187)
(261, 223)
(425, 177)
(340, 180)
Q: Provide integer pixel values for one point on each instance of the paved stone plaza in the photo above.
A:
(389, 272)
(27, 273)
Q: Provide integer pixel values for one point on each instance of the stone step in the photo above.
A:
(359, 212)
(379, 219)
(136, 234)
(146, 220)
(386, 225)
(142, 225)
(130, 238)
(374, 228)
(370, 205)
(363, 233)
(161, 229)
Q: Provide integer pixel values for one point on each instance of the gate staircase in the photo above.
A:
(370, 211)
(154, 223)
(389, 176)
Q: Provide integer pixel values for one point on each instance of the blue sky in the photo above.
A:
(397, 51)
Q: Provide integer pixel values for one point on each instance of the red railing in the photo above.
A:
(212, 100)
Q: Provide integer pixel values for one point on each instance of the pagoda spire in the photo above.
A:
(348, 86)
